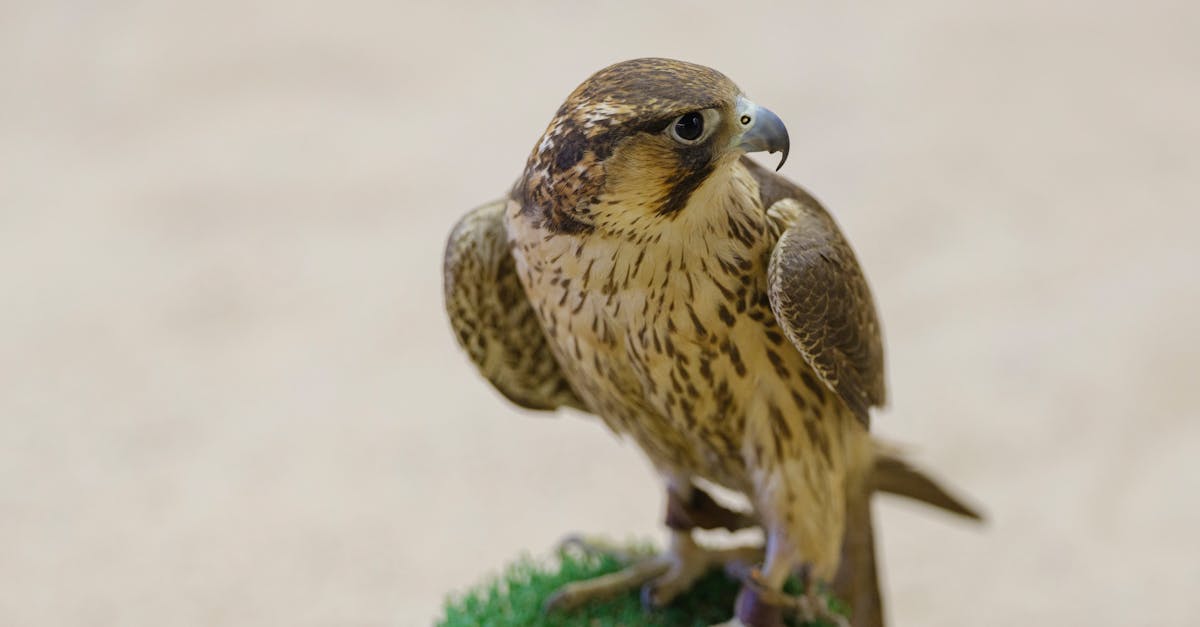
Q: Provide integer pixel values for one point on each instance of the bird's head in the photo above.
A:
(640, 139)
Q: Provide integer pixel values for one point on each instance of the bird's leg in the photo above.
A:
(762, 602)
(688, 508)
(689, 561)
(667, 575)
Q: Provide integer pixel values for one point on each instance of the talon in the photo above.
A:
(579, 542)
(760, 606)
(816, 607)
(577, 593)
(555, 601)
(593, 547)
(649, 603)
(572, 540)
(752, 610)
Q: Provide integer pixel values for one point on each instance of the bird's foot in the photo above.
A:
(815, 607)
(663, 577)
(689, 561)
(760, 606)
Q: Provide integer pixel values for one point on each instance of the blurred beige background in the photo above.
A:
(230, 396)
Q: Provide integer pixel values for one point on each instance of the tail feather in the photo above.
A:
(857, 579)
(895, 476)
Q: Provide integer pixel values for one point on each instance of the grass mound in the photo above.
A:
(515, 598)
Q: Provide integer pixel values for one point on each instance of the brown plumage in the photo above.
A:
(644, 270)
(493, 319)
(820, 297)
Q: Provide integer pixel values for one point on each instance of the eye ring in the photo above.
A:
(692, 127)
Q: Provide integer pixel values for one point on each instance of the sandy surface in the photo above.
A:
(230, 396)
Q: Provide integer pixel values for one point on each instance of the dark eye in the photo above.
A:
(689, 127)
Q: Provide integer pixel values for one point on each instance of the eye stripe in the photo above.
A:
(681, 190)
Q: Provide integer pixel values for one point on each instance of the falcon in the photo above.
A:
(645, 271)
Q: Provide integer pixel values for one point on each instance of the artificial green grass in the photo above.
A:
(516, 597)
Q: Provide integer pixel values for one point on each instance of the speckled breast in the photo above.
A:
(671, 342)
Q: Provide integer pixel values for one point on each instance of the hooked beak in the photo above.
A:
(760, 129)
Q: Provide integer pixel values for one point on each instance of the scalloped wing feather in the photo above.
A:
(493, 319)
(821, 298)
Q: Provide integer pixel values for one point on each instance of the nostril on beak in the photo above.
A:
(746, 120)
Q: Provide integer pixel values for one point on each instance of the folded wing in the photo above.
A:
(492, 318)
(820, 297)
